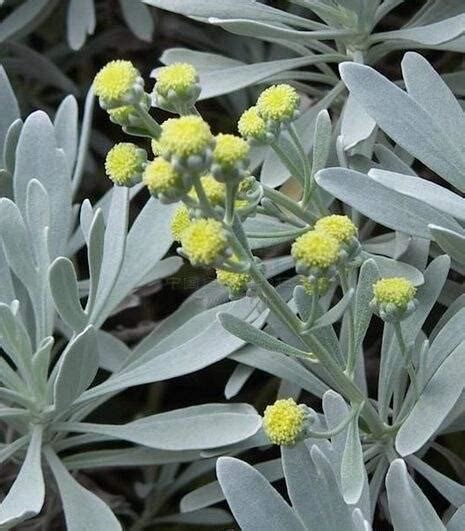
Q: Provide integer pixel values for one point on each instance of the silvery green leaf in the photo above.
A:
(192, 428)
(336, 410)
(14, 337)
(408, 506)
(203, 61)
(392, 268)
(139, 18)
(9, 106)
(66, 129)
(451, 242)
(150, 234)
(430, 193)
(435, 10)
(407, 122)
(249, 9)
(81, 22)
(26, 496)
(21, 17)
(38, 221)
(77, 368)
(457, 522)
(9, 156)
(9, 450)
(388, 160)
(453, 309)
(208, 517)
(276, 171)
(282, 366)
(41, 361)
(113, 250)
(430, 35)
(251, 334)
(436, 400)
(17, 249)
(449, 489)
(321, 141)
(388, 207)
(269, 510)
(181, 353)
(95, 250)
(47, 165)
(335, 313)
(211, 493)
(357, 126)
(112, 351)
(369, 274)
(353, 474)
(163, 269)
(237, 380)
(82, 508)
(127, 457)
(65, 292)
(218, 82)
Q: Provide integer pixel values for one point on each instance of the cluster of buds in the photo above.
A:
(285, 422)
(394, 299)
(321, 252)
(177, 88)
(276, 108)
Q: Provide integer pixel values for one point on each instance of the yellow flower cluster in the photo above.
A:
(251, 125)
(278, 103)
(283, 422)
(398, 291)
(115, 80)
(340, 228)
(178, 77)
(215, 191)
(230, 149)
(160, 177)
(183, 137)
(315, 249)
(179, 222)
(204, 242)
(235, 282)
(124, 164)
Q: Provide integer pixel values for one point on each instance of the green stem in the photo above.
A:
(407, 358)
(153, 127)
(331, 433)
(203, 199)
(290, 205)
(295, 172)
(351, 355)
(231, 189)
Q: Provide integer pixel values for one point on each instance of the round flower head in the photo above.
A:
(230, 158)
(236, 283)
(179, 222)
(393, 298)
(118, 83)
(252, 126)
(177, 87)
(339, 227)
(315, 253)
(187, 142)
(284, 422)
(278, 103)
(124, 164)
(215, 191)
(163, 181)
(205, 243)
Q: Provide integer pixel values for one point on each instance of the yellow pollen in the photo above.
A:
(204, 242)
(251, 124)
(396, 290)
(115, 80)
(178, 77)
(235, 282)
(123, 163)
(230, 149)
(316, 249)
(278, 103)
(283, 422)
(179, 222)
(185, 136)
(339, 227)
(215, 191)
(160, 176)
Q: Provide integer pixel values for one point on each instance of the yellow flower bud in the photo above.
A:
(340, 228)
(124, 164)
(205, 242)
(115, 82)
(178, 77)
(163, 181)
(236, 283)
(252, 126)
(215, 191)
(278, 103)
(284, 422)
(184, 137)
(398, 291)
(315, 286)
(315, 249)
(230, 150)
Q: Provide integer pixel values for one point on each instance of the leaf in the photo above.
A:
(237, 380)
(436, 400)
(388, 207)
(192, 428)
(457, 522)
(20, 18)
(9, 105)
(26, 497)
(369, 274)
(77, 368)
(357, 126)
(83, 509)
(281, 366)
(406, 122)
(393, 268)
(139, 18)
(451, 242)
(113, 250)
(430, 193)
(268, 510)
(409, 507)
(65, 292)
(251, 334)
(353, 474)
(66, 129)
(81, 22)
(321, 141)
(335, 313)
(48, 165)
(430, 35)
(201, 517)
